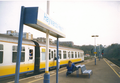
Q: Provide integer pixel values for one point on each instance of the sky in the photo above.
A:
(80, 19)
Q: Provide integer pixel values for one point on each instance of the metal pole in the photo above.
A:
(47, 52)
(47, 75)
(95, 49)
(19, 46)
(47, 44)
(99, 53)
(57, 59)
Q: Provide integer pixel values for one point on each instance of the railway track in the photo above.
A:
(115, 61)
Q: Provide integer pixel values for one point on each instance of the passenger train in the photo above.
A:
(35, 62)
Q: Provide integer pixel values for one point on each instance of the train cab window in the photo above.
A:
(64, 55)
(72, 54)
(1, 53)
(60, 54)
(75, 54)
(31, 54)
(14, 54)
(78, 55)
(69, 54)
(43, 54)
(82, 54)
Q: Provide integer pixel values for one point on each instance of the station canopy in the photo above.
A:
(38, 19)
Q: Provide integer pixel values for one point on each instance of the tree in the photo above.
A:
(112, 51)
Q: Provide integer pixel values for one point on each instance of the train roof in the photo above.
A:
(60, 47)
(13, 39)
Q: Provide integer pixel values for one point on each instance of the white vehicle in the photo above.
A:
(36, 61)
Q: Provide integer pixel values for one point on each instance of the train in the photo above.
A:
(35, 62)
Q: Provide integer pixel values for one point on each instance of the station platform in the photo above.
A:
(103, 72)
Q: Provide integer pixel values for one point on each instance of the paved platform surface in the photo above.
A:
(103, 72)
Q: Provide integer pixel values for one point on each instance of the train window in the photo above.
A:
(75, 54)
(60, 54)
(72, 54)
(49, 54)
(31, 54)
(1, 53)
(14, 54)
(49, 50)
(43, 56)
(1, 56)
(78, 55)
(64, 54)
(1, 47)
(81, 54)
(54, 53)
(22, 56)
(23, 48)
(14, 48)
(69, 54)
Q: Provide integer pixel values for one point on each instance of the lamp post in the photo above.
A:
(95, 46)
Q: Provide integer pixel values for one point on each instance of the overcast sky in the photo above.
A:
(80, 19)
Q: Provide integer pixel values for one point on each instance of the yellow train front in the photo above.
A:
(32, 62)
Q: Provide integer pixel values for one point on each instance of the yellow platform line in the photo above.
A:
(112, 68)
(54, 74)
(115, 65)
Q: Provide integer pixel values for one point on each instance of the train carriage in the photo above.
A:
(36, 62)
(8, 54)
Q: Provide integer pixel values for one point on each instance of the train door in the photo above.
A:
(37, 58)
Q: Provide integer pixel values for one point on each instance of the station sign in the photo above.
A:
(37, 18)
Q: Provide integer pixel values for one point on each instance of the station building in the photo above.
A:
(16, 34)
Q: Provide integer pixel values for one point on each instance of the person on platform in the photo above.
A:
(71, 66)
